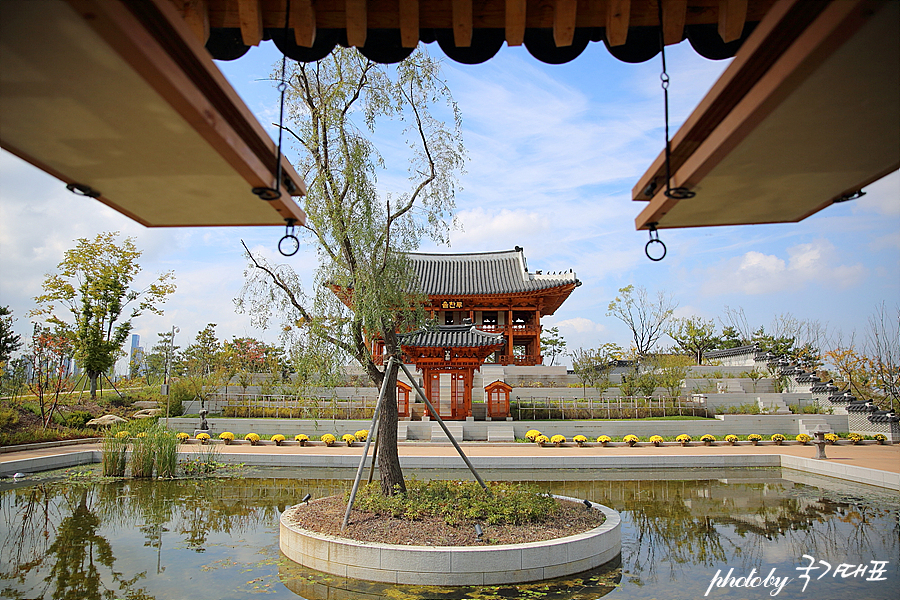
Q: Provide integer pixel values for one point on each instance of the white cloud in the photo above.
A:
(580, 325)
(755, 273)
(882, 197)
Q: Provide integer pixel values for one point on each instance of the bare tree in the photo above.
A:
(883, 348)
(646, 317)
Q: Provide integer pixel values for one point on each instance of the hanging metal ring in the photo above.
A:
(679, 193)
(654, 239)
(288, 245)
(83, 190)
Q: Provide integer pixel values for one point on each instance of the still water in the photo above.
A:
(73, 536)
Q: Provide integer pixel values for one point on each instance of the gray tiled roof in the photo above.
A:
(480, 273)
(445, 336)
(731, 351)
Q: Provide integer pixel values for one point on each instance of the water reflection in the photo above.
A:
(141, 539)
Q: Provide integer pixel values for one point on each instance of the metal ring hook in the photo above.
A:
(289, 238)
(654, 239)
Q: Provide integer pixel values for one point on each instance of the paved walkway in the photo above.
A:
(871, 456)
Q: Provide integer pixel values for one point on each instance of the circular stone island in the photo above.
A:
(454, 565)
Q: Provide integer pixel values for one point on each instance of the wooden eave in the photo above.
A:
(411, 20)
(552, 298)
(462, 357)
(122, 99)
(806, 114)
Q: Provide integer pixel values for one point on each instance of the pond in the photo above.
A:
(73, 535)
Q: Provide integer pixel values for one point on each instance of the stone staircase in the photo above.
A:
(501, 432)
(773, 405)
(809, 424)
(438, 435)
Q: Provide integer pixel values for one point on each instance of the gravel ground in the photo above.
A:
(325, 515)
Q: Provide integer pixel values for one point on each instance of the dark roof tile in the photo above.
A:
(482, 273)
(446, 336)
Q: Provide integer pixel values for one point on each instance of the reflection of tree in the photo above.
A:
(76, 554)
(28, 525)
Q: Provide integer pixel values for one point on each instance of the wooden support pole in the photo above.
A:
(440, 421)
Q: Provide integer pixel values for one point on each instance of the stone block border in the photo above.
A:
(454, 565)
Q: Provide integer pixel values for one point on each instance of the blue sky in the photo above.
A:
(554, 152)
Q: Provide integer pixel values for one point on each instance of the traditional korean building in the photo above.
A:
(486, 308)
(497, 293)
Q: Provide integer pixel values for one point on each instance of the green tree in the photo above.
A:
(9, 341)
(364, 285)
(730, 338)
(205, 355)
(646, 317)
(594, 365)
(670, 370)
(163, 357)
(93, 284)
(693, 335)
(552, 344)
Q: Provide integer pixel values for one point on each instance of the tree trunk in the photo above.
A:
(388, 457)
(93, 377)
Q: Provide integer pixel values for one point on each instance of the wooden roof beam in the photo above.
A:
(462, 23)
(409, 23)
(250, 14)
(732, 15)
(303, 21)
(196, 14)
(515, 22)
(357, 22)
(618, 17)
(674, 15)
(564, 14)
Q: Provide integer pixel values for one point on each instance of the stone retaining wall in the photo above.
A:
(478, 430)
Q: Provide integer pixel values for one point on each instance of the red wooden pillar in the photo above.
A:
(403, 391)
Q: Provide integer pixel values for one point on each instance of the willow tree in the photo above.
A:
(363, 288)
(93, 284)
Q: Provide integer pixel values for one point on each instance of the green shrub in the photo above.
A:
(9, 418)
(461, 502)
(78, 419)
(179, 394)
